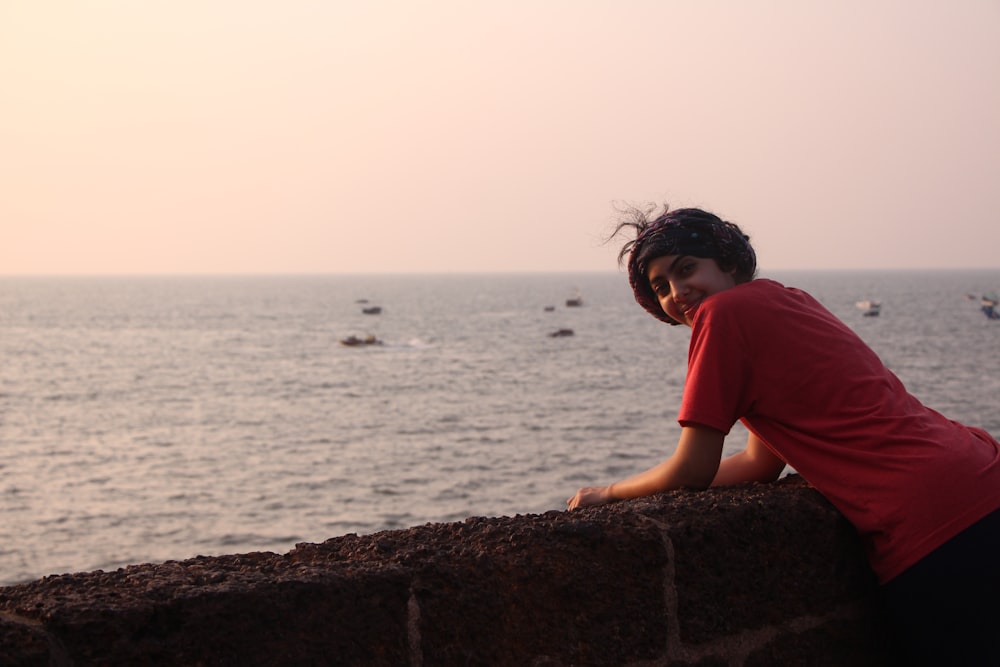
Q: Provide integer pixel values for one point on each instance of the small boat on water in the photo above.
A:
(355, 341)
(575, 301)
(372, 310)
(988, 304)
(869, 308)
(560, 333)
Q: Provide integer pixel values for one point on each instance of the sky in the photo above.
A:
(400, 136)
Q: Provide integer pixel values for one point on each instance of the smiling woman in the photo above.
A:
(922, 490)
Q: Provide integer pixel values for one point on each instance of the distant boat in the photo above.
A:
(549, 309)
(870, 308)
(561, 333)
(575, 301)
(988, 304)
(354, 341)
(372, 310)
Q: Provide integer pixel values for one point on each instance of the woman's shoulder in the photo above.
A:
(767, 287)
(764, 284)
(760, 297)
(758, 289)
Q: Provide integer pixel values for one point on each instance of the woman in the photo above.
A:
(922, 490)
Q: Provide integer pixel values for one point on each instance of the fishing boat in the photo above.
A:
(560, 333)
(988, 304)
(869, 308)
(355, 341)
(372, 310)
(574, 301)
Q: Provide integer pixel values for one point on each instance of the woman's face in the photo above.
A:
(682, 282)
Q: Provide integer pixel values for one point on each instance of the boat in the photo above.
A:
(372, 310)
(355, 341)
(988, 304)
(549, 309)
(574, 302)
(870, 308)
(559, 333)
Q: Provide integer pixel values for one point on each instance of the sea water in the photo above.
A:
(145, 419)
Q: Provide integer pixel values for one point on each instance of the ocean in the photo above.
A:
(145, 419)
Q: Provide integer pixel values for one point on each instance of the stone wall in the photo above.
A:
(763, 574)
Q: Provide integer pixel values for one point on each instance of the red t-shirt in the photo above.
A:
(774, 358)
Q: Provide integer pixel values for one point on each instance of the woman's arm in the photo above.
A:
(756, 463)
(694, 465)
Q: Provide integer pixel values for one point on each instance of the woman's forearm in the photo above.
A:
(693, 464)
(674, 473)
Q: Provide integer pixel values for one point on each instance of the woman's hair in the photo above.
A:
(684, 231)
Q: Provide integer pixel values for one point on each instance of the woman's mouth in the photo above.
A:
(687, 308)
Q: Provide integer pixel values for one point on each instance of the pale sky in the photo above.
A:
(330, 136)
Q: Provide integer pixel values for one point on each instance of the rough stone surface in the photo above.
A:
(751, 575)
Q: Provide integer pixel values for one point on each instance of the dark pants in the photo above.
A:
(946, 609)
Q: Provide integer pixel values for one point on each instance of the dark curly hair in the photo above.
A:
(683, 231)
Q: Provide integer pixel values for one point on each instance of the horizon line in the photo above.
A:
(276, 274)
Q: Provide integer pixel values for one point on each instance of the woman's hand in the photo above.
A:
(589, 496)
